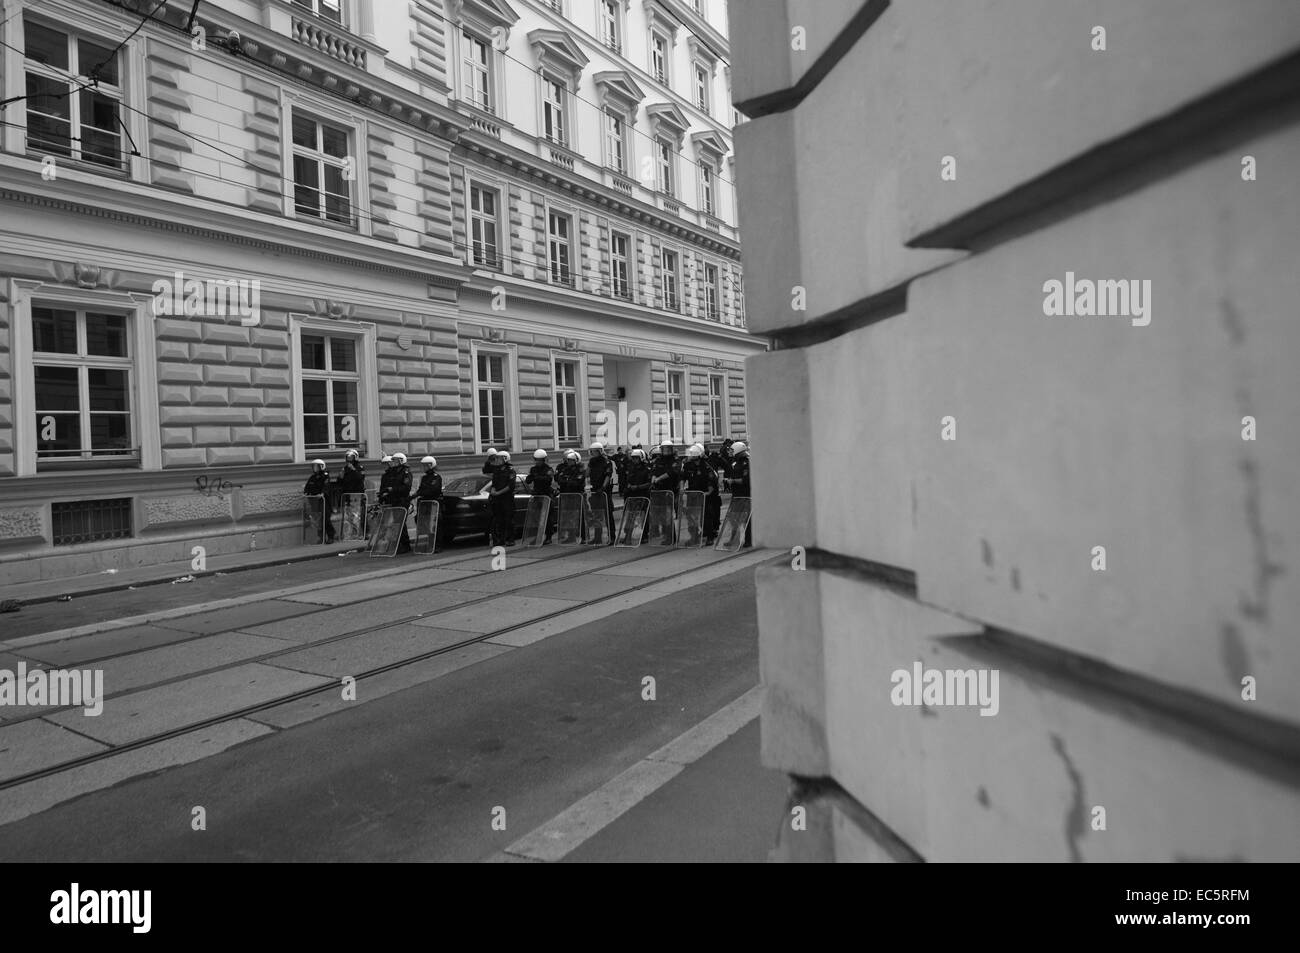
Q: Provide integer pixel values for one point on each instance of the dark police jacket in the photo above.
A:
(503, 477)
(699, 476)
(315, 485)
(541, 480)
(740, 476)
(430, 486)
(571, 477)
(395, 486)
(638, 478)
(353, 479)
(670, 470)
(601, 471)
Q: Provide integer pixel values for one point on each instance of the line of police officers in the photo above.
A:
(637, 476)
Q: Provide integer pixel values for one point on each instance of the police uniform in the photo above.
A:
(353, 478)
(541, 482)
(318, 485)
(665, 477)
(502, 506)
(699, 477)
(740, 487)
(429, 490)
(601, 470)
(395, 490)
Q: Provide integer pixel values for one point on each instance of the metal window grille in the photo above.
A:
(85, 521)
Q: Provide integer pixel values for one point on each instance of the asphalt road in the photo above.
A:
(416, 775)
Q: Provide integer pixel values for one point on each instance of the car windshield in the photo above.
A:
(465, 486)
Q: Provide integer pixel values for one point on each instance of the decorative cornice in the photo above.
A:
(229, 236)
(667, 120)
(709, 142)
(619, 86)
(557, 50)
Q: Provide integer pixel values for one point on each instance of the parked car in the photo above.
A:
(465, 507)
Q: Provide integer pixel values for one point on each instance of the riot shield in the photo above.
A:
(426, 527)
(539, 511)
(635, 510)
(732, 534)
(690, 520)
(568, 532)
(313, 520)
(388, 531)
(659, 524)
(352, 514)
(597, 526)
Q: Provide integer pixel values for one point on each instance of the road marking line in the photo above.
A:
(569, 829)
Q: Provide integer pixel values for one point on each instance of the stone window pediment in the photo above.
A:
(668, 122)
(558, 51)
(617, 88)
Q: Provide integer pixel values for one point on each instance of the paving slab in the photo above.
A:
(43, 793)
(671, 561)
(364, 652)
(582, 589)
(236, 617)
(500, 613)
(370, 588)
(518, 577)
(330, 623)
(173, 661)
(87, 648)
(168, 707)
(417, 673)
(36, 744)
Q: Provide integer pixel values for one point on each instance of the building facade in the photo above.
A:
(238, 239)
(1092, 503)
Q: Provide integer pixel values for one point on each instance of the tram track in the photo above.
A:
(333, 684)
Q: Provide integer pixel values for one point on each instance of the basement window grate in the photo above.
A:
(85, 521)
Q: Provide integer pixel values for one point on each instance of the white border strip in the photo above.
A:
(567, 830)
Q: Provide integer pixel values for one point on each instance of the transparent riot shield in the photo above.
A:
(388, 531)
(597, 525)
(313, 520)
(635, 511)
(539, 511)
(690, 520)
(426, 527)
(659, 523)
(732, 534)
(568, 531)
(352, 516)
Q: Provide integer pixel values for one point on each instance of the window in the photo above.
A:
(86, 521)
(702, 87)
(676, 389)
(553, 100)
(556, 5)
(477, 68)
(62, 118)
(670, 280)
(615, 141)
(566, 404)
(711, 292)
(698, 6)
(490, 387)
(609, 25)
(326, 9)
(664, 166)
(331, 381)
(717, 404)
(558, 248)
(618, 256)
(320, 168)
(659, 57)
(706, 187)
(82, 368)
(483, 225)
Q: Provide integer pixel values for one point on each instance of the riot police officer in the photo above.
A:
(317, 485)
(699, 477)
(353, 478)
(429, 491)
(395, 490)
(739, 481)
(601, 470)
(541, 482)
(501, 500)
(638, 476)
(620, 468)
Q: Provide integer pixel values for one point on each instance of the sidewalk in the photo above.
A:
(48, 590)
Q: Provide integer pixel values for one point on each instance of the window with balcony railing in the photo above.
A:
(325, 9)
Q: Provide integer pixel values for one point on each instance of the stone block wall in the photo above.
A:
(1098, 508)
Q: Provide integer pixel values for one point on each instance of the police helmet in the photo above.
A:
(739, 447)
(572, 455)
(318, 463)
(429, 461)
(504, 455)
(539, 454)
(399, 458)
